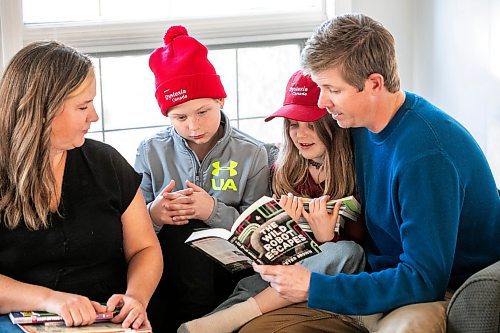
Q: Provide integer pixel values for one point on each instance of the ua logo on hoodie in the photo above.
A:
(224, 184)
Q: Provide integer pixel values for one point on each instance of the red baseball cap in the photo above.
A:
(301, 100)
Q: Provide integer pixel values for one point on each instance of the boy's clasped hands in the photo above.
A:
(178, 207)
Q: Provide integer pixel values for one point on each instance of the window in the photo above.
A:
(107, 26)
(254, 79)
(47, 11)
(254, 47)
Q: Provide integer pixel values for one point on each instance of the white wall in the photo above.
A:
(398, 17)
(11, 27)
(449, 52)
(457, 48)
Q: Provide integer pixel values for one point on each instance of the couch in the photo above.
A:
(475, 306)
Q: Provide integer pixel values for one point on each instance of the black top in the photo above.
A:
(82, 251)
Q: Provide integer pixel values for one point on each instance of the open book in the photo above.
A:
(94, 328)
(264, 233)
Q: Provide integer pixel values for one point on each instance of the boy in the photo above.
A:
(199, 172)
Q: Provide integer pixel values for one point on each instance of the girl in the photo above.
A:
(316, 162)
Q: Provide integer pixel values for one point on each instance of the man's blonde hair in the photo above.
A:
(358, 46)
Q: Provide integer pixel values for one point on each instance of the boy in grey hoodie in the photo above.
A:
(199, 172)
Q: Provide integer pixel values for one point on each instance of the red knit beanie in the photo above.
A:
(182, 70)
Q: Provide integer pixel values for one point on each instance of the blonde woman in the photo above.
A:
(74, 229)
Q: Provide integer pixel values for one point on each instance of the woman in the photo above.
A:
(74, 229)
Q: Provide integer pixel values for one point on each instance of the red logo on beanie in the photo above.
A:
(182, 70)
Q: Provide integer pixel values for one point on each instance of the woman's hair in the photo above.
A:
(291, 168)
(358, 46)
(33, 89)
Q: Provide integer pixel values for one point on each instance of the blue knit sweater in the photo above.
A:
(432, 212)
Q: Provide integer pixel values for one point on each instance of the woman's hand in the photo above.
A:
(75, 310)
(322, 223)
(132, 312)
(292, 205)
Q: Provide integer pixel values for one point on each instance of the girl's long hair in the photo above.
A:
(33, 89)
(291, 168)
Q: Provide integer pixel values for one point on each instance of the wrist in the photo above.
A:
(44, 298)
(212, 212)
(330, 237)
(157, 227)
(143, 300)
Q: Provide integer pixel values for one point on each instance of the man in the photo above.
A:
(431, 205)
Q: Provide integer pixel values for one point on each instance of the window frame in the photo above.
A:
(124, 36)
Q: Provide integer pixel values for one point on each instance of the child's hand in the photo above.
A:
(132, 312)
(322, 223)
(202, 203)
(292, 205)
(171, 207)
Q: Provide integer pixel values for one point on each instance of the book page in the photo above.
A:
(221, 249)
(212, 232)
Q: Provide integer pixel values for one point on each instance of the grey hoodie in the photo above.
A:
(235, 172)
